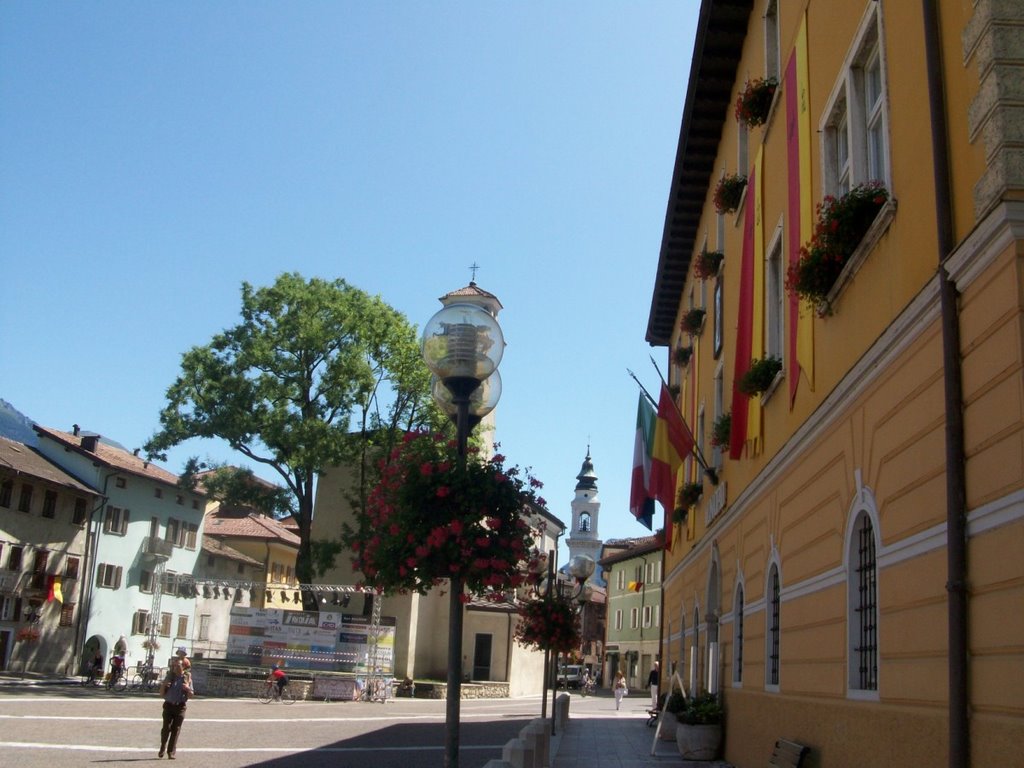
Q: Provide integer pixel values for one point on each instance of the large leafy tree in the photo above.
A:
(316, 374)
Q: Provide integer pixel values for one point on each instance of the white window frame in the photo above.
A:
(115, 520)
(108, 576)
(634, 618)
(772, 60)
(204, 627)
(140, 622)
(848, 123)
(648, 616)
(618, 619)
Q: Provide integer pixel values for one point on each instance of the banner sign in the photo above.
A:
(308, 640)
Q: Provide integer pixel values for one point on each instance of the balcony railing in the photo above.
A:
(157, 548)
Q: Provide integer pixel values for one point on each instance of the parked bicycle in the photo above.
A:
(146, 679)
(271, 692)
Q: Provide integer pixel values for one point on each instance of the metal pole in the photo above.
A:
(460, 398)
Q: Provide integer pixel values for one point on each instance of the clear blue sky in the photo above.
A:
(155, 155)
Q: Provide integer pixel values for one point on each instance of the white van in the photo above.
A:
(570, 675)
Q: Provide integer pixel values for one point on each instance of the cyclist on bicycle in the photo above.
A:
(277, 675)
(116, 667)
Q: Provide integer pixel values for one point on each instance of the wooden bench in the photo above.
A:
(788, 754)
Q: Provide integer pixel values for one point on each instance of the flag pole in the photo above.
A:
(643, 389)
(708, 470)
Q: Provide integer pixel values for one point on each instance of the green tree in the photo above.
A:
(317, 374)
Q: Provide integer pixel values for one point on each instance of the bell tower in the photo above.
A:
(583, 534)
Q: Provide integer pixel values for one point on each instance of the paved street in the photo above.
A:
(47, 726)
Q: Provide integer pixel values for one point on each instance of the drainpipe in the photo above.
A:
(91, 544)
(956, 484)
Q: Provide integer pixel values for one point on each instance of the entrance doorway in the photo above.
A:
(482, 657)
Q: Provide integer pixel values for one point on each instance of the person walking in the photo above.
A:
(652, 681)
(176, 689)
(619, 688)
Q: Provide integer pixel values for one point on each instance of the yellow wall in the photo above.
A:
(872, 433)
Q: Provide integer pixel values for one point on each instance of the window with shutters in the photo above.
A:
(182, 627)
(71, 566)
(50, 504)
(140, 623)
(6, 492)
(67, 615)
(25, 499)
(108, 576)
(115, 521)
(165, 625)
(81, 510)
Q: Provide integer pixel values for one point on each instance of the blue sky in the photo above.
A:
(155, 155)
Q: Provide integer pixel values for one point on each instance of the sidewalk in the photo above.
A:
(610, 739)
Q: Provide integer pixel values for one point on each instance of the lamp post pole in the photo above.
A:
(462, 346)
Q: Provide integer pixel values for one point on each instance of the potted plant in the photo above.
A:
(841, 224)
(699, 729)
(151, 645)
(729, 192)
(755, 100)
(693, 321)
(682, 355)
(707, 263)
(760, 376)
(674, 705)
(721, 430)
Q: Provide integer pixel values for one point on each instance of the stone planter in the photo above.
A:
(698, 742)
(667, 729)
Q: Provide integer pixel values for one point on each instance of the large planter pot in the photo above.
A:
(668, 726)
(698, 742)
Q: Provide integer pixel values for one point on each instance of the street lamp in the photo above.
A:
(462, 347)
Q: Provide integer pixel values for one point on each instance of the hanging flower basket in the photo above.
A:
(151, 645)
(550, 623)
(28, 634)
(429, 520)
(755, 100)
(760, 376)
(729, 192)
(693, 321)
(682, 355)
(841, 224)
(721, 430)
(707, 263)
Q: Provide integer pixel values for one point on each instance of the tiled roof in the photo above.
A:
(24, 460)
(471, 290)
(115, 458)
(252, 526)
(626, 549)
(212, 546)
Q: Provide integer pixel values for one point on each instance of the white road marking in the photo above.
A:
(197, 750)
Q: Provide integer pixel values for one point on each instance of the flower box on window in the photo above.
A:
(760, 376)
(841, 224)
(721, 430)
(755, 100)
(689, 495)
(707, 264)
(682, 355)
(693, 321)
(729, 192)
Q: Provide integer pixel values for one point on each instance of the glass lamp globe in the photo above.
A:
(581, 567)
(462, 341)
(483, 400)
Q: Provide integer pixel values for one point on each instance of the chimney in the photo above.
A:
(136, 452)
(74, 428)
(89, 442)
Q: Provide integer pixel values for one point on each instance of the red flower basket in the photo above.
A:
(551, 623)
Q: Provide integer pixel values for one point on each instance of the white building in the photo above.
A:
(143, 537)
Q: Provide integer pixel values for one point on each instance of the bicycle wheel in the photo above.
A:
(137, 682)
(119, 683)
(266, 694)
(287, 697)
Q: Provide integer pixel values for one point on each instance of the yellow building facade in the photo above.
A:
(853, 581)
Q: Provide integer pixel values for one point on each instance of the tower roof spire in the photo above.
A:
(587, 477)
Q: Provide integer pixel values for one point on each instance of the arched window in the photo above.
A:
(861, 580)
(737, 636)
(584, 522)
(773, 604)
